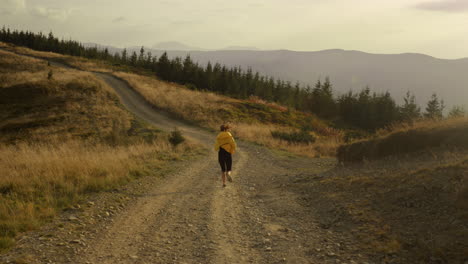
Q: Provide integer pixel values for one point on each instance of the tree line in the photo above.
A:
(364, 109)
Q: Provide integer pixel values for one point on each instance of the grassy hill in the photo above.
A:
(427, 135)
(410, 209)
(403, 192)
(255, 120)
(63, 134)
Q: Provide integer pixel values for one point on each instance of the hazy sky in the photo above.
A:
(435, 27)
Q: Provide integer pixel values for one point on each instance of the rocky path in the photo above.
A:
(187, 217)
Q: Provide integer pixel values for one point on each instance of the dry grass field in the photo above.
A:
(407, 138)
(413, 206)
(403, 191)
(63, 135)
(253, 120)
(400, 195)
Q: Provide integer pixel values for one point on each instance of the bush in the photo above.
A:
(294, 137)
(191, 86)
(354, 135)
(50, 75)
(175, 138)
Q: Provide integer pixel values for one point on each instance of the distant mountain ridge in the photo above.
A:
(351, 70)
(174, 45)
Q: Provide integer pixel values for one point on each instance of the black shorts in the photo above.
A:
(225, 160)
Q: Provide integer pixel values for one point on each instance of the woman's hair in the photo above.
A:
(224, 127)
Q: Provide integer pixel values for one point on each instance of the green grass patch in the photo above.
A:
(6, 242)
(294, 137)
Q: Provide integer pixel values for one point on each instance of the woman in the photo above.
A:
(226, 146)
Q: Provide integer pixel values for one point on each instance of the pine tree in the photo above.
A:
(322, 102)
(141, 57)
(188, 70)
(457, 111)
(410, 110)
(364, 109)
(124, 55)
(164, 66)
(434, 108)
(134, 59)
(106, 54)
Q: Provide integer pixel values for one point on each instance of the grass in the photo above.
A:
(252, 120)
(62, 138)
(259, 118)
(41, 179)
(413, 207)
(406, 138)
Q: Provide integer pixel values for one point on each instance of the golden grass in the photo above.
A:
(406, 138)
(77, 62)
(65, 137)
(27, 51)
(191, 105)
(211, 110)
(252, 119)
(261, 134)
(426, 124)
(413, 207)
(38, 180)
(72, 104)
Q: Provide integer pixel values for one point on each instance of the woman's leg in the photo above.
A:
(229, 166)
(222, 163)
(223, 176)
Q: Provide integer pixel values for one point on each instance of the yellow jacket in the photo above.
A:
(226, 141)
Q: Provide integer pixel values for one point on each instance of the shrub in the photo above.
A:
(353, 135)
(50, 75)
(294, 137)
(175, 138)
(191, 86)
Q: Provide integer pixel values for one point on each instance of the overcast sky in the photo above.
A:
(434, 27)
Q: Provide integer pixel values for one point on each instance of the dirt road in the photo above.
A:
(187, 217)
(192, 219)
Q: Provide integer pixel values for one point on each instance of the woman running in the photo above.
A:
(226, 146)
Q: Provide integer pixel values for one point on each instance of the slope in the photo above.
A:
(281, 208)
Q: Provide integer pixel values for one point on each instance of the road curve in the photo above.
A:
(205, 223)
(187, 217)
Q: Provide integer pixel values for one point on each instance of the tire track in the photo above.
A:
(227, 215)
(190, 218)
(132, 236)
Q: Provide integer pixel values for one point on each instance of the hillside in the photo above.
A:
(412, 208)
(396, 73)
(409, 207)
(425, 135)
(255, 120)
(64, 135)
(404, 190)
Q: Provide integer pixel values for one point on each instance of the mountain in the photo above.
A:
(110, 48)
(240, 48)
(354, 70)
(173, 45)
(351, 70)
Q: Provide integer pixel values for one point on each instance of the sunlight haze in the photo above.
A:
(437, 28)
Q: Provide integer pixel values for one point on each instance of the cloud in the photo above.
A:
(119, 19)
(51, 13)
(11, 7)
(185, 22)
(452, 6)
